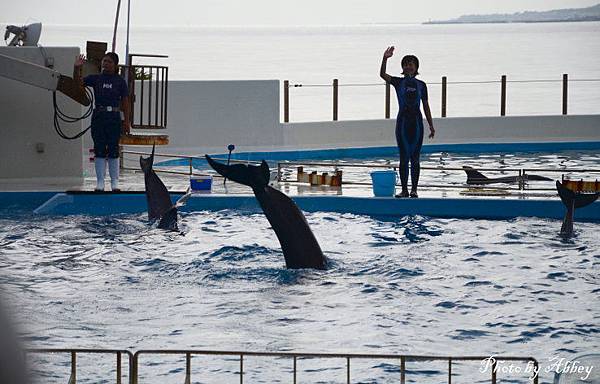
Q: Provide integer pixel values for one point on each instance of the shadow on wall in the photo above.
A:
(12, 361)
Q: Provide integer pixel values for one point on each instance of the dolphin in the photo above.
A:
(160, 206)
(572, 200)
(475, 177)
(299, 245)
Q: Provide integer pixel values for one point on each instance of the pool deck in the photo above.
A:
(353, 199)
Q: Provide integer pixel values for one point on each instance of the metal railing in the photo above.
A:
(444, 84)
(188, 159)
(152, 93)
(521, 174)
(294, 356)
(74, 352)
(135, 366)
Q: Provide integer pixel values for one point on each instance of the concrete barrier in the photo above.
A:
(31, 150)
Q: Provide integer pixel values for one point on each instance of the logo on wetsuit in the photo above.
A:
(107, 85)
(411, 96)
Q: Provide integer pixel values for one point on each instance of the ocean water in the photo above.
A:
(315, 55)
(406, 285)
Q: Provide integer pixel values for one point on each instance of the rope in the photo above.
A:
(61, 116)
(300, 85)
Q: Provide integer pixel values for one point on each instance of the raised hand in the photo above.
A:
(79, 60)
(389, 52)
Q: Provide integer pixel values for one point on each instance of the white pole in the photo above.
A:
(114, 41)
(127, 61)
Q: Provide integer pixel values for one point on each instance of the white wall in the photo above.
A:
(26, 121)
(206, 116)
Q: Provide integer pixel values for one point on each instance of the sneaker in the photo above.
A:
(414, 194)
(116, 190)
(402, 194)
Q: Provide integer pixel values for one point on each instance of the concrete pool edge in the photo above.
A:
(385, 151)
(47, 203)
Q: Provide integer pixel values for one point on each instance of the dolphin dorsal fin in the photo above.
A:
(474, 176)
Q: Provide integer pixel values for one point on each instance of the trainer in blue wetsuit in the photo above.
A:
(411, 92)
(111, 97)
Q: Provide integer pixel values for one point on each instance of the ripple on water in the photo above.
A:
(468, 334)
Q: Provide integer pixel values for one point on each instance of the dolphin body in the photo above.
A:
(160, 206)
(299, 245)
(572, 200)
(475, 177)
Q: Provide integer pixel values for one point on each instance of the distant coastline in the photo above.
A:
(554, 16)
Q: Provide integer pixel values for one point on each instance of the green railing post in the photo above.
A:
(188, 368)
(335, 99)
(73, 378)
(387, 99)
(444, 86)
(503, 96)
(565, 88)
(286, 101)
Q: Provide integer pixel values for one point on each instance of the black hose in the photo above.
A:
(61, 116)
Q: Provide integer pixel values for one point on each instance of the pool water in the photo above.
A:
(410, 285)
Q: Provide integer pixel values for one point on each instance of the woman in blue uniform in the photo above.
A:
(111, 97)
(409, 124)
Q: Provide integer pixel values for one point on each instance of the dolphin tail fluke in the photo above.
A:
(147, 163)
(566, 195)
(579, 200)
(157, 194)
(568, 198)
(255, 176)
(473, 176)
(572, 200)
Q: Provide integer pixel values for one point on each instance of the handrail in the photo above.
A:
(403, 359)
(134, 360)
(190, 171)
(336, 165)
(444, 84)
(189, 157)
(439, 168)
(75, 351)
(522, 172)
(300, 85)
(153, 112)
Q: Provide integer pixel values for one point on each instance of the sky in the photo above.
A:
(264, 12)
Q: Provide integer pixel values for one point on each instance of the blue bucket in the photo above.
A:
(384, 183)
(201, 183)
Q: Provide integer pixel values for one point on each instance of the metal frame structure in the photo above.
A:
(281, 165)
(402, 360)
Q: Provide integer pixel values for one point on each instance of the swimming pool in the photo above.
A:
(407, 285)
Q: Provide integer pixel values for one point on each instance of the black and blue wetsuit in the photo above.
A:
(109, 90)
(409, 126)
